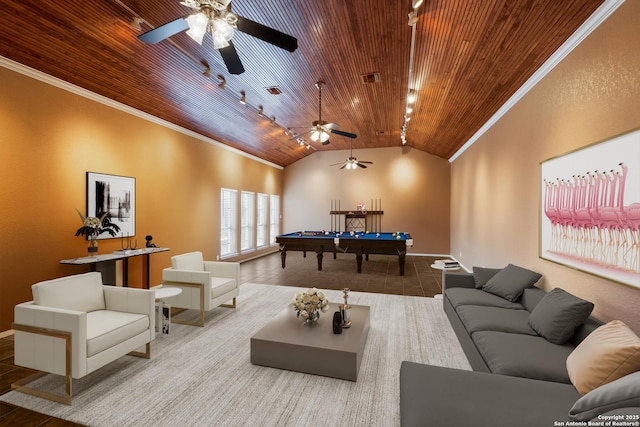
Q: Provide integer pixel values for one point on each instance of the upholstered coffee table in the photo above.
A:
(287, 343)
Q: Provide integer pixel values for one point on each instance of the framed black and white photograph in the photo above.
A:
(116, 195)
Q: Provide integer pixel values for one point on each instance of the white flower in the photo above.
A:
(304, 314)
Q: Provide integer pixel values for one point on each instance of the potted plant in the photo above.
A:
(93, 226)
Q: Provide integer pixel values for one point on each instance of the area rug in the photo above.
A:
(203, 376)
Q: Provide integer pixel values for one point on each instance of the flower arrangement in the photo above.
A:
(92, 226)
(309, 304)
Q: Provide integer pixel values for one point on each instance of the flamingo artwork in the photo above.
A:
(590, 221)
(590, 218)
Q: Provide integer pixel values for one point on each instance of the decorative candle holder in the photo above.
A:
(345, 309)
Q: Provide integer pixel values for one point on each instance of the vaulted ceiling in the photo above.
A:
(470, 56)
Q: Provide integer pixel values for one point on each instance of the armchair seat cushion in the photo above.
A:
(222, 285)
(106, 328)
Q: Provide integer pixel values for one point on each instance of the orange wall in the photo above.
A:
(592, 95)
(411, 185)
(49, 139)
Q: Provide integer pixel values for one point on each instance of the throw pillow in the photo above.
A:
(481, 275)
(606, 354)
(511, 281)
(558, 314)
(621, 393)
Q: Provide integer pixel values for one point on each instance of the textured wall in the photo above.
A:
(412, 186)
(592, 95)
(50, 138)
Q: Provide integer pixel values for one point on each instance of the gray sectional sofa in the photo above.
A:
(518, 356)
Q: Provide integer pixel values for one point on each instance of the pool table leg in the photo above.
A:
(283, 256)
(359, 261)
(401, 259)
(319, 256)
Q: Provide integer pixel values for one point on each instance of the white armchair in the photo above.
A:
(205, 284)
(75, 325)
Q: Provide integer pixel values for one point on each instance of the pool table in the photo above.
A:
(359, 243)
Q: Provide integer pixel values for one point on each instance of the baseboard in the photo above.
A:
(6, 334)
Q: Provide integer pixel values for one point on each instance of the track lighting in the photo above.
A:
(261, 111)
(223, 82)
(207, 71)
(413, 18)
(243, 98)
(416, 3)
(411, 97)
(135, 23)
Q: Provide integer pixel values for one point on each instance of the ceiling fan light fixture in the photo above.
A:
(320, 135)
(198, 24)
(221, 32)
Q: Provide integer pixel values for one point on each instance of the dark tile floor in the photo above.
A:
(380, 274)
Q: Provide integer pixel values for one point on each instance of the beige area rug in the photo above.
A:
(203, 376)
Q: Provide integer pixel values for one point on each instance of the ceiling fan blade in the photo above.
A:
(336, 164)
(343, 133)
(364, 161)
(164, 31)
(231, 59)
(269, 35)
(343, 166)
(361, 165)
(329, 126)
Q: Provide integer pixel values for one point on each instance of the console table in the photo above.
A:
(109, 261)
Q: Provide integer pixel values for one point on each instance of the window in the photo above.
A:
(274, 218)
(262, 239)
(228, 223)
(247, 214)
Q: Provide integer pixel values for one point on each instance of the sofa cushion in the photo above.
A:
(191, 261)
(221, 285)
(438, 396)
(511, 281)
(524, 356)
(558, 315)
(481, 275)
(106, 328)
(621, 393)
(608, 353)
(465, 296)
(531, 297)
(80, 292)
(480, 318)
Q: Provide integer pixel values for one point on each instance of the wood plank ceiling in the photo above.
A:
(470, 57)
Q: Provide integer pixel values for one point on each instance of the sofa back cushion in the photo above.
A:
(80, 292)
(531, 297)
(511, 281)
(482, 275)
(191, 261)
(558, 315)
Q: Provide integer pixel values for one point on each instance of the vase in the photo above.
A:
(313, 318)
(93, 245)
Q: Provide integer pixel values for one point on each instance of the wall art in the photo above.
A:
(116, 195)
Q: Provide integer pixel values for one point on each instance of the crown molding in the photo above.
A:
(593, 22)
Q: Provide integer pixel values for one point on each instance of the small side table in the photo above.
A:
(161, 293)
(441, 266)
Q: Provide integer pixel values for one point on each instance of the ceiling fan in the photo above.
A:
(215, 17)
(352, 162)
(320, 129)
